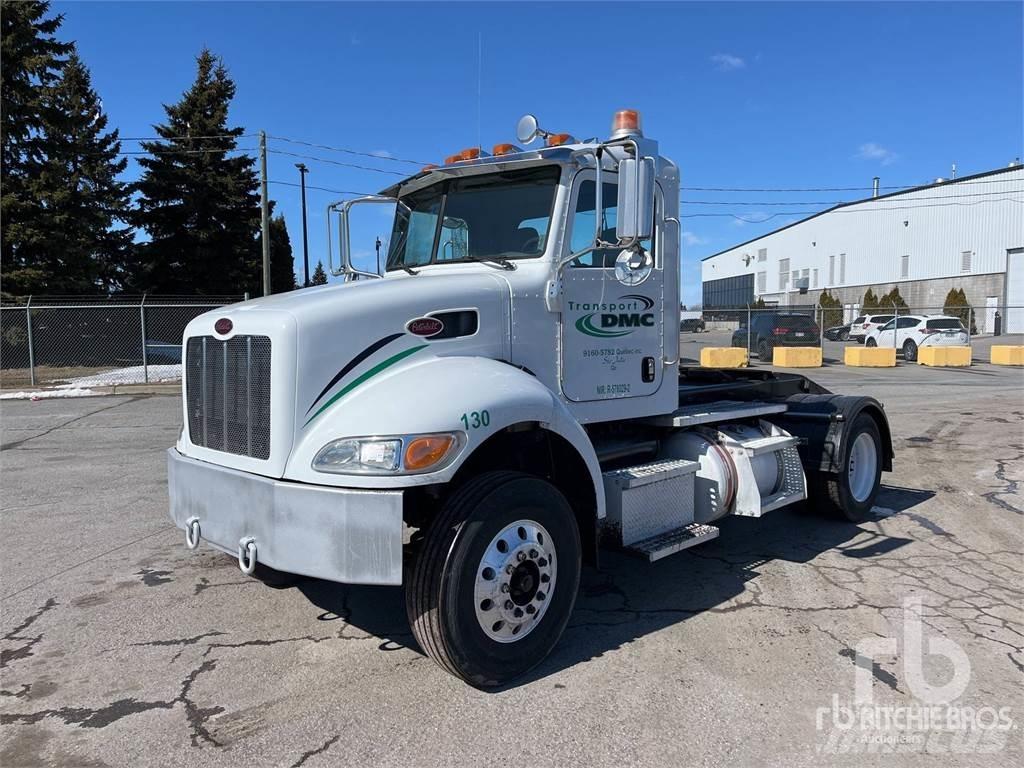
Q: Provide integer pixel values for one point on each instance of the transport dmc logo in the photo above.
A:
(609, 320)
(933, 721)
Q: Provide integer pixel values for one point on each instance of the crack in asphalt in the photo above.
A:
(101, 717)
(24, 651)
(1010, 488)
(319, 750)
(15, 443)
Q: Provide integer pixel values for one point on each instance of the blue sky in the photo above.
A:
(739, 94)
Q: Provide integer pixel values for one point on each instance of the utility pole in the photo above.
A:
(303, 170)
(265, 213)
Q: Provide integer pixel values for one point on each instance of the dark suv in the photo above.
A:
(776, 329)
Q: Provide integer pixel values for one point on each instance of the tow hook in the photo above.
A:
(192, 532)
(247, 555)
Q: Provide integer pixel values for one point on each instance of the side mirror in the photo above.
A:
(527, 129)
(344, 245)
(635, 219)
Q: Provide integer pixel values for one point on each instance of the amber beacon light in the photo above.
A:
(626, 123)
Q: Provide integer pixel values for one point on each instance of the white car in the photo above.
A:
(909, 332)
(865, 324)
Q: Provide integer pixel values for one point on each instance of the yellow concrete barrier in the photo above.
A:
(1007, 354)
(870, 357)
(946, 357)
(797, 357)
(723, 357)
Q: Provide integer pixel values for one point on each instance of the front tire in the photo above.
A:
(909, 351)
(495, 583)
(844, 335)
(871, 343)
(764, 352)
(850, 494)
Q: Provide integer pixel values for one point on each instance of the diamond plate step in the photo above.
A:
(670, 542)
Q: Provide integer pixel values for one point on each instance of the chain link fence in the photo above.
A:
(82, 342)
(760, 328)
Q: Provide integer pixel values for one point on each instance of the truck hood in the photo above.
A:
(335, 339)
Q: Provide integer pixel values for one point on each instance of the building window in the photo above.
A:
(762, 282)
(783, 274)
(905, 266)
(729, 292)
(762, 254)
(842, 269)
(832, 270)
(815, 284)
(965, 261)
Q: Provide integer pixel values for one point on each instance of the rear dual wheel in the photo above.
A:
(495, 583)
(850, 493)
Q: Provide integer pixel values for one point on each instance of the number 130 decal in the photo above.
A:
(476, 419)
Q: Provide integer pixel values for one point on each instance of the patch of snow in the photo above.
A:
(43, 394)
(135, 374)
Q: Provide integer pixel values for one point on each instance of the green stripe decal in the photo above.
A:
(364, 377)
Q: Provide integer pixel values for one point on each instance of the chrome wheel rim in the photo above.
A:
(515, 581)
(863, 466)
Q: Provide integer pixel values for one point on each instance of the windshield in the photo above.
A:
(494, 216)
(946, 323)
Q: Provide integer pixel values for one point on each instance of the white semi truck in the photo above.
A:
(500, 399)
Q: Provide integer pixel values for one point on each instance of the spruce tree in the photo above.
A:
(282, 263)
(319, 276)
(32, 59)
(81, 247)
(198, 198)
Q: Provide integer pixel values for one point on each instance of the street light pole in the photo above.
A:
(303, 170)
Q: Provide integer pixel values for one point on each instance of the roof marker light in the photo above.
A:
(504, 149)
(470, 153)
(428, 167)
(558, 139)
(451, 159)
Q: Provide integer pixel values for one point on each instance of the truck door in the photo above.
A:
(612, 326)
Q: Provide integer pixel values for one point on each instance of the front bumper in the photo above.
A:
(339, 534)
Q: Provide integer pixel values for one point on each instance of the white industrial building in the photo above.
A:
(960, 233)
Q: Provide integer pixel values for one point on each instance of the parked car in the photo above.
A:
(776, 329)
(864, 324)
(692, 324)
(838, 333)
(910, 332)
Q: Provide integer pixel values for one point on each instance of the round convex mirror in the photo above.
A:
(526, 130)
(632, 267)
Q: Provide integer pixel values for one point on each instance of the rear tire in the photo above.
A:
(764, 351)
(870, 343)
(469, 590)
(844, 335)
(909, 351)
(850, 494)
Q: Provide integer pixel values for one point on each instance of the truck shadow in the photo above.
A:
(628, 598)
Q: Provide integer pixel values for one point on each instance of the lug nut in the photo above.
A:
(520, 557)
(510, 569)
(533, 554)
(531, 610)
(518, 613)
(504, 587)
(509, 605)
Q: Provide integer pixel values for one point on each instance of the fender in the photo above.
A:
(433, 395)
(822, 421)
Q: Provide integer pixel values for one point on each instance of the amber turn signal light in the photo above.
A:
(424, 452)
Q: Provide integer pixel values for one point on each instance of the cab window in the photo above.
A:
(583, 222)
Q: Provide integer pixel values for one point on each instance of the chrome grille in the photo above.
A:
(227, 393)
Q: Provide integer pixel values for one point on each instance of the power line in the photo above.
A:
(316, 159)
(206, 151)
(847, 210)
(844, 189)
(321, 189)
(842, 202)
(185, 138)
(348, 151)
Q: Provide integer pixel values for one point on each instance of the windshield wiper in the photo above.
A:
(501, 261)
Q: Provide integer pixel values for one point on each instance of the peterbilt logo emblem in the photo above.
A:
(424, 326)
(223, 326)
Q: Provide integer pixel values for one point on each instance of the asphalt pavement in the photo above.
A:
(122, 648)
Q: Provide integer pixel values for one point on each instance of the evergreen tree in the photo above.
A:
(893, 297)
(199, 201)
(32, 59)
(319, 276)
(79, 248)
(956, 305)
(831, 310)
(282, 263)
(870, 300)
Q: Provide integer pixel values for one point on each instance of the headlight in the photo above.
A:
(388, 455)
